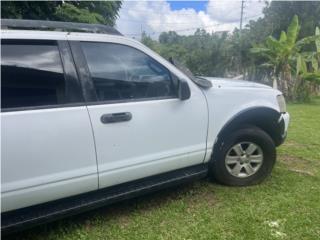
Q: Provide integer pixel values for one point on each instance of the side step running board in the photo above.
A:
(27, 217)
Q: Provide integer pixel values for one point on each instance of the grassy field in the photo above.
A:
(285, 206)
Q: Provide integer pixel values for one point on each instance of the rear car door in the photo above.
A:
(141, 127)
(47, 146)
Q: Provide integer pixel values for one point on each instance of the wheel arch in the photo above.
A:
(264, 118)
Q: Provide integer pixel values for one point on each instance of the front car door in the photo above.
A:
(141, 128)
(47, 146)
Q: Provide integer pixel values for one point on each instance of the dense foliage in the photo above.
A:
(284, 57)
(104, 12)
(288, 24)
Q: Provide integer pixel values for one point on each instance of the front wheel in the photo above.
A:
(245, 157)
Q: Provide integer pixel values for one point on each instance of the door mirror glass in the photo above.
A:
(183, 90)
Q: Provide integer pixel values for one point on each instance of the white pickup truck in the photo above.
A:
(90, 117)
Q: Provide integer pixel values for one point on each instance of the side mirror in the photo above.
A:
(183, 90)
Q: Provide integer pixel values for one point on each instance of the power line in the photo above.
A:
(181, 23)
(254, 16)
(179, 30)
(189, 29)
(142, 22)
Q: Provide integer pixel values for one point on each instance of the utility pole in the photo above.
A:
(240, 35)
(241, 18)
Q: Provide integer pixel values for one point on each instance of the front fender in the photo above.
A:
(230, 107)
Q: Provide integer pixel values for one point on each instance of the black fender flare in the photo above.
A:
(265, 118)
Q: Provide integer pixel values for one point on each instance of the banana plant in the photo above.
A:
(280, 55)
(312, 59)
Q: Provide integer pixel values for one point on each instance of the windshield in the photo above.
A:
(197, 80)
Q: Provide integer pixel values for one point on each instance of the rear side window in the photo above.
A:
(120, 72)
(31, 75)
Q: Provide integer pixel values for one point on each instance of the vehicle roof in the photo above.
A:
(61, 35)
(26, 24)
(33, 34)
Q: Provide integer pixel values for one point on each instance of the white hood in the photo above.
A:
(225, 82)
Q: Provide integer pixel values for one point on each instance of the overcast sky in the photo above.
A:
(184, 17)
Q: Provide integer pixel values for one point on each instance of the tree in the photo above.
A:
(29, 9)
(311, 73)
(104, 12)
(170, 37)
(283, 55)
(278, 15)
(149, 42)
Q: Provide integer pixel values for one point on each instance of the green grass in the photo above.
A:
(285, 206)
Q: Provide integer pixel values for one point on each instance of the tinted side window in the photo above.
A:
(31, 75)
(121, 72)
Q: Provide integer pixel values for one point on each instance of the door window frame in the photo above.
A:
(74, 95)
(88, 88)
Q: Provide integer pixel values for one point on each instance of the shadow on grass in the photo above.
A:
(122, 211)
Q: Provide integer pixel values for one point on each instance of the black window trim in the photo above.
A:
(69, 72)
(87, 82)
(42, 107)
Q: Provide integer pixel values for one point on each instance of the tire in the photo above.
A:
(227, 160)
